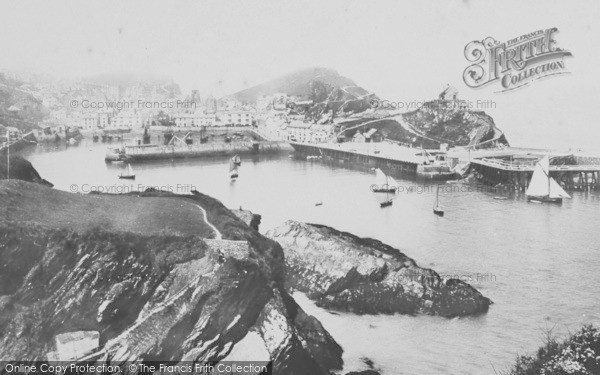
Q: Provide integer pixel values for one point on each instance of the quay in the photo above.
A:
(393, 158)
(140, 153)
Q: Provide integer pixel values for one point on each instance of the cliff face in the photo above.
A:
(152, 295)
(341, 271)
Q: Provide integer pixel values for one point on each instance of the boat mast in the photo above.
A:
(387, 187)
(8, 154)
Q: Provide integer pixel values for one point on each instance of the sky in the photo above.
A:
(400, 50)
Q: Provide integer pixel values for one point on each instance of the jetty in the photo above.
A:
(395, 159)
(513, 167)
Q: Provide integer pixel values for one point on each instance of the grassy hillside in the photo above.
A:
(49, 208)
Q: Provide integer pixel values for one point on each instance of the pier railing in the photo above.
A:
(500, 164)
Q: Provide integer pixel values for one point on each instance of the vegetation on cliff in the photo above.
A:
(579, 354)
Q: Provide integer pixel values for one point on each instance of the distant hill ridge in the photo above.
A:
(297, 84)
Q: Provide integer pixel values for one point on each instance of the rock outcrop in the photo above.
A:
(159, 296)
(20, 169)
(341, 271)
(251, 219)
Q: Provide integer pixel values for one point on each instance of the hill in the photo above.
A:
(308, 83)
(436, 122)
(327, 93)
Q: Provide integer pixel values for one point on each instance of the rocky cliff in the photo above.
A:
(150, 294)
(343, 272)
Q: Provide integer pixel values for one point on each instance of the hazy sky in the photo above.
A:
(399, 50)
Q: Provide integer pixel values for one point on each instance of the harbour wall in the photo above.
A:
(141, 153)
(391, 166)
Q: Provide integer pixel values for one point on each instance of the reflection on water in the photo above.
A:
(538, 263)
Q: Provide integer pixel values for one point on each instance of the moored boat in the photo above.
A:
(130, 175)
(437, 209)
(384, 183)
(233, 169)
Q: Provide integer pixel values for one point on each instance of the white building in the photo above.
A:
(235, 118)
(127, 119)
(191, 120)
(321, 133)
(85, 121)
(298, 131)
(304, 132)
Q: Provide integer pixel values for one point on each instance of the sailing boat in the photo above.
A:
(437, 209)
(233, 169)
(129, 175)
(385, 183)
(542, 187)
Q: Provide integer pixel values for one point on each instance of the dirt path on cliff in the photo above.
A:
(218, 235)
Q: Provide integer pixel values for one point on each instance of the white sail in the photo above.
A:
(391, 182)
(129, 169)
(380, 177)
(545, 164)
(556, 191)
(539, 185)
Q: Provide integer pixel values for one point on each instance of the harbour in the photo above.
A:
(313, 188)
(530, 289)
